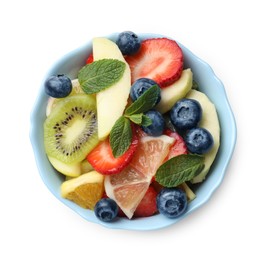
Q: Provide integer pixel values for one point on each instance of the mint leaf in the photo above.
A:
(120, 136)
(140, 119)
(146, 121)
(179, 169)
(100, 75)
(145, 102)
(136, 118)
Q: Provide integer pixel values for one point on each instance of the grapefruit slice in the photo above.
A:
(128, 187)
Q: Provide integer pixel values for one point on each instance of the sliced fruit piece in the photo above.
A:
(210, 122)
(159, 59)
(86, 166)
(176, 91)
(70, 131)
(52, 102)
(112, 101)
(157, 187)
(71, 170)
(129, 186)
(102, 159)
(189, 193)
(150, 153)
(85, 190)
(139, 132)
(148, 206)
(76, 87)
(179, 146)
(90, 59)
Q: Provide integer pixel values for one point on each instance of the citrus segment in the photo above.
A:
(84, 190)
(129, 194)
(150, 153)
(128, 187)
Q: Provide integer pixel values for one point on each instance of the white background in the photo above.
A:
(229, 35)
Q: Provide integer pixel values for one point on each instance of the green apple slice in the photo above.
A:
(86, 166)
(189, 193)
(171, 94)
(112, 101)
(71, 170)
(210, 122)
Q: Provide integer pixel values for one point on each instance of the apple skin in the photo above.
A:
(171, 94)
(112, 101)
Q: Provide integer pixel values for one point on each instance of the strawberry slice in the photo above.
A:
(90, 59)
(103, 161)
(148, 206)
(159, 59)
(179, 146)
(139, 132)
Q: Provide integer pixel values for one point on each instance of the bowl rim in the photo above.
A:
(140, 224)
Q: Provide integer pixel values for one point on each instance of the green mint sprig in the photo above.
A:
(101, 74)
(121, 133)
(179, 169)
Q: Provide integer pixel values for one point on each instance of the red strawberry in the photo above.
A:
(157, 187)
(139, 132)
(90, 59)
(160, 59)
(103, 161)
(179, 146)
(148, 206)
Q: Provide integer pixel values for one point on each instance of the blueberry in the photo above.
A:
(171, 202)
(106, 209)
(128, 43)
(198, 140)
(158, 123)
(186, 114)
(140, 86)
(58, 86)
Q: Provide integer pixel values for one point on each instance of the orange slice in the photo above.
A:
(128, 187)
(85, 190)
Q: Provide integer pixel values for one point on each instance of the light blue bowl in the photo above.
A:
(70, 64)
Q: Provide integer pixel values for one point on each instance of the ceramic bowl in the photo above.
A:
(70, 64)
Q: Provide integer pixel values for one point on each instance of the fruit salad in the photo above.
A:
(132, 134)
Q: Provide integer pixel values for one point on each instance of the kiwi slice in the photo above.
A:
(70, 131)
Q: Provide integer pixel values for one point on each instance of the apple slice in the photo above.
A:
(210, 122)
(86, 166)
(71, 170)
(112, 101)
(171, 94)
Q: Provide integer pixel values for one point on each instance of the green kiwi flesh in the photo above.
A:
(70, 130)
